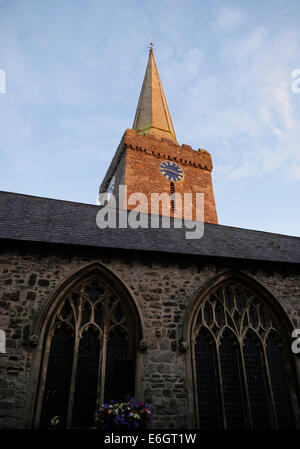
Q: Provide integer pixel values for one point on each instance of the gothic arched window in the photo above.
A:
(241, 365)
(90, 339)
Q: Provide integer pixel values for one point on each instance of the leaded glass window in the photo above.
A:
(240, 361)
(89, 344)
(207, 387)
(279, 384)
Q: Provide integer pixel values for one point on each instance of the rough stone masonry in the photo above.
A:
(163, 288)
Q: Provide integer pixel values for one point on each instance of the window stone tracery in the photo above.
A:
(240, 361)
(89, 340)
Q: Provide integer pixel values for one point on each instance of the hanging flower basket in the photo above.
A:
(125, 415)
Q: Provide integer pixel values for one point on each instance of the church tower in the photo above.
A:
(150, 160)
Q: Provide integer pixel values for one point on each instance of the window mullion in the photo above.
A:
(74, 368)
(43, 380)
(221, 389)
(103, 367)
(103, 355)
(194, 374)
(244, 388)
(270, 397)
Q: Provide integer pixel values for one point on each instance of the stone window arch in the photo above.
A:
(89, 336)
(240, 365)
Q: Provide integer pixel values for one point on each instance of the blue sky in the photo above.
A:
(74, 70)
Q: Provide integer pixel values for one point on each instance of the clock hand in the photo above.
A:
(171, 171)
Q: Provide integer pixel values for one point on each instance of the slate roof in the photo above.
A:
(36, 219)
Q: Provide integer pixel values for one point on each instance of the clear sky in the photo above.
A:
(74, 70)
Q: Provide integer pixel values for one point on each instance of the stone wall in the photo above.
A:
(163, 287)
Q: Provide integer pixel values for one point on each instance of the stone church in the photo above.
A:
(201, 328)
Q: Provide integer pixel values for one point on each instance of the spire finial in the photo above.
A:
(151, 46)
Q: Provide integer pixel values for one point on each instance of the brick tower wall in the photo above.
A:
(144, 154)
(140, 170)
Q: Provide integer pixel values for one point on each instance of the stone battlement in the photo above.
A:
(167, 149)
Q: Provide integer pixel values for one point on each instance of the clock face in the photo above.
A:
(171, 171)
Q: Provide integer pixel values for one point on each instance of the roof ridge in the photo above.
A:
(27, 195)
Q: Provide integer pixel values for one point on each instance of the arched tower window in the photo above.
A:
(89, 354)
(172, 191)
(240, 362)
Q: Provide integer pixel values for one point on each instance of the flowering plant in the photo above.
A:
(55, 422)
(125, 415)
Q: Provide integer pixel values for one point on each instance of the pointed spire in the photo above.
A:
(152, 114)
